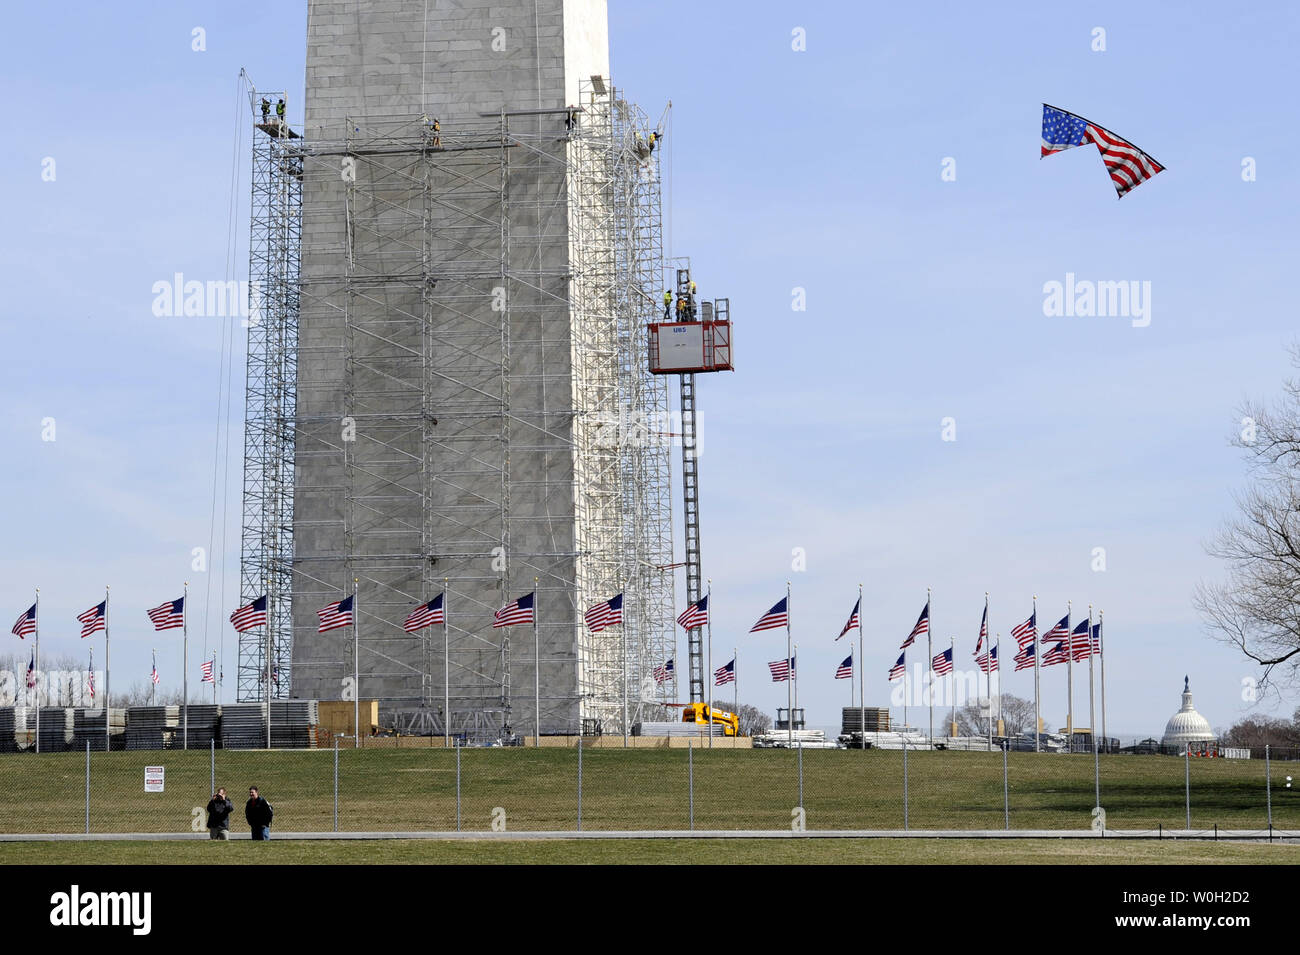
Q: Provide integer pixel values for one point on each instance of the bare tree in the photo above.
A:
(752, 720)
(1257, 609)
(1265, 731)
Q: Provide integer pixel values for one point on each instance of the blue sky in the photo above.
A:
(816, 169)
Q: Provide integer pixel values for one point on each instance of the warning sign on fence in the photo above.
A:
(153, 779)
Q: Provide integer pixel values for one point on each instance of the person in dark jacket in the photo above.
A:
(258, 812)
(219, 810)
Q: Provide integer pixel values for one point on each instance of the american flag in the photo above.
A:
(253, 615)
(988, 662)
(605, 614)
(426, 615)
(1096, 639)
(781, 670)
(26, 623)
(515, 612)
(169, 616)
(1079, 643)
(335, 615)
(898, 669)
(853, 618)
(845, 670)
(724, 675)
(90, 681)
(94, 618)
(207, 673)
(942, 662)
(1057, 654)
(1128, 166)
(922, 627)
(154, 675)
(31, 672)
(663, 672)
(696, 615)
(1024, 660)
(984, 630)
(774, 618)
(1059, 632)
(1027, 632)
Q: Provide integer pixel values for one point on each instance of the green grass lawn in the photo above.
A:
(415, 789)
(654, 851)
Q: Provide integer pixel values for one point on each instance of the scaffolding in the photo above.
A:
(475, 412)
(269, 410)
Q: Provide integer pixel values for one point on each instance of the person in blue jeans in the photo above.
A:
(258, 812)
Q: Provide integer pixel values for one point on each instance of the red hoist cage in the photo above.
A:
(694, 338)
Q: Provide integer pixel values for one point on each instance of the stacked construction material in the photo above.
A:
(677, 729)
(8, 741)
(203, 721)
(55, 729)
(88, 727)
(243, 725)
(150, 727)
(877, 719)
(293, 725)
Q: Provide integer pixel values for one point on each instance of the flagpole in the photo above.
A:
(988, 670)
(850, 676)
(709, 702)
(789, 702)
(1092, 711)
(537, 673)
(952, 687)
(929, 655)
(794, 679)
(107, 678)
(1038, 720)
(153, 687)
(735, 689)
(1069, 677)
(1101, 648)
(622, 628)
(446, 662)
(266, 632)
(1000, 727)
(214, 676)
(92, 672)
(185, 668)
(862, 676)
(905, 689)
(356, 677)
(36, 668)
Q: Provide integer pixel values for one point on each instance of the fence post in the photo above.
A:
(800, 773)
(458, 785)
(1187, 781)
(1006, 789)
(87, 787)
(690, 780)
(212, 763)
(336, 784)
(1268, 791)
(904, 783)
(580, 784)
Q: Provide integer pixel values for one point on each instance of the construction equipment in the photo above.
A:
(703, 714)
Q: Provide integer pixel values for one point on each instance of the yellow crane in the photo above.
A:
(703, 714)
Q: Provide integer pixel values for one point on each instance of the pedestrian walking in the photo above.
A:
(258, 812)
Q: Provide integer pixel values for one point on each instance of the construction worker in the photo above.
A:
(640, 148)
(266, 110)
(279, 110)
(655, 139)
(437, 132)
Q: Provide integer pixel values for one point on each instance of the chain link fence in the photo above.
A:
(472, 789)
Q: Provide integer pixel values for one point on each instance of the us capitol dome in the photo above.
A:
(1187, 725)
